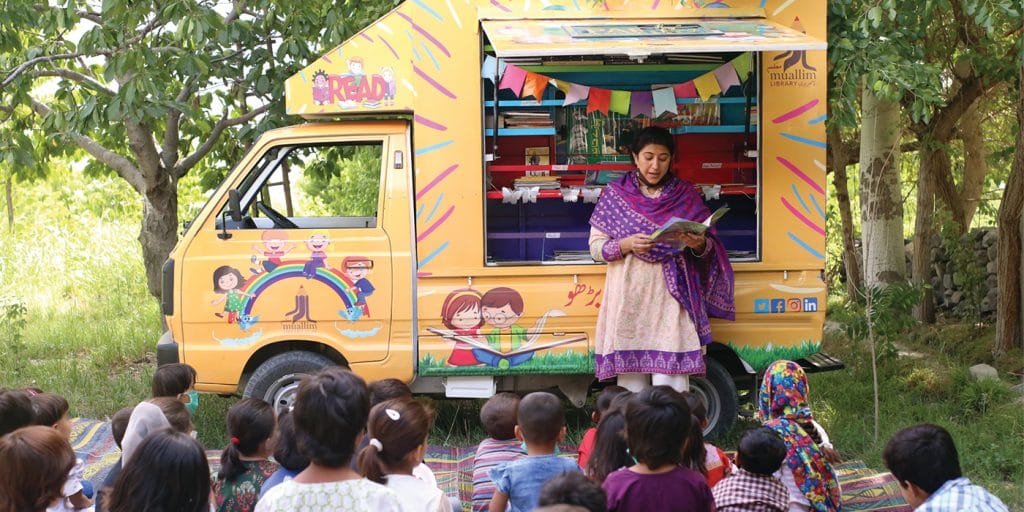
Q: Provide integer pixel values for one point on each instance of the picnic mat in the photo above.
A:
(863, 488)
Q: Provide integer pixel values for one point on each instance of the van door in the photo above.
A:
(297, 253)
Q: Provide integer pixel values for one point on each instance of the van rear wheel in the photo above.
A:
(276, 381)
(718, 391)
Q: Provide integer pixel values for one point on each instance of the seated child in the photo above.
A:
(540, 422)
(15, 410)
(498, 417)
(610, 451)
(51, 410)
(177, 381)
(601, 405)
(244, 463)
(286, 452)
(398, 431)
(573, 489)
(699, 455)
(925, 462)
(657, 424)
(36, 462)
(118, 426)
(168, 471)
(753, 487)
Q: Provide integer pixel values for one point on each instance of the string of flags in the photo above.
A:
(651, 103)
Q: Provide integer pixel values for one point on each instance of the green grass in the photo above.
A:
(761, 357)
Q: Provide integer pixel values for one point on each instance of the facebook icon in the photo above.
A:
(778, 305)
(810, 304)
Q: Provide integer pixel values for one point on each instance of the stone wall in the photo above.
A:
(951, 282)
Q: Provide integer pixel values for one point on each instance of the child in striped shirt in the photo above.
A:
(498, 417)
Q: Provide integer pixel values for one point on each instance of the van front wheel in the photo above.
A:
(718, 390)
(276, 381)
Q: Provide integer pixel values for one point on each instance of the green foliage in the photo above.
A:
(761, 357)
(891, 315)
(968, 275)
(341, 180)
(978, 397)
(12, 327)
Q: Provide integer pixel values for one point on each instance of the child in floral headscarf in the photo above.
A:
(807, 473)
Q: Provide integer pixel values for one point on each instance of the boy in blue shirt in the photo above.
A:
(540, 422)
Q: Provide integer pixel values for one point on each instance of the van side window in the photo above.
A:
(314, 187)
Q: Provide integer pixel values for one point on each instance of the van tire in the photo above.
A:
(276, 381)
(718, 390)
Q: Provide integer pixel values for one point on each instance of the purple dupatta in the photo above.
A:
(703, 286)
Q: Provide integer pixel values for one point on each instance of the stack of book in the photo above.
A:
(524, 119)
(541, 182)
(568, 255)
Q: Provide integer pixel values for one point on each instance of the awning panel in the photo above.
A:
(640, 38)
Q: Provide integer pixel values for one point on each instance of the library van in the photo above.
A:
(428, 221)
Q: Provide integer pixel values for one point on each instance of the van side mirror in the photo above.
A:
(235, 205)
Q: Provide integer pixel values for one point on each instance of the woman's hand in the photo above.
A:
(637, 244)
(697, 242)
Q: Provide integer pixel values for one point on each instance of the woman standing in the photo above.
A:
(657, 297)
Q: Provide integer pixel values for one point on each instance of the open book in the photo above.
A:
(670, 231)
(482, 345)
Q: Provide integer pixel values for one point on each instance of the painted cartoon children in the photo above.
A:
(461, 313)
(391, 85)
(501, 307)
(317, 245)
(321, 91)
(227, 280)
(355, 70)
(356, 268)
(275, 246)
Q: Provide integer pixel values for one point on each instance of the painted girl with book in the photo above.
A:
(640, 335)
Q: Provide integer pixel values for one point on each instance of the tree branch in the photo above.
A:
(140, 140)
(172, 139)
(38, 60)
(73, 75)
(121, 165)
(191, 160)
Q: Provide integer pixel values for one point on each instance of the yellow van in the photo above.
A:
(429, 222)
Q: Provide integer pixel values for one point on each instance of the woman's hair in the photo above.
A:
(168, 471)
(330, 412)
(657, 423)
(173, 379)
(653, 135)
(399, 427)
(694, 452)
(286, 449)
(250, 423)
(36, 462)
(48, 408)
(610, 451)
(498, 415)
(175, 412)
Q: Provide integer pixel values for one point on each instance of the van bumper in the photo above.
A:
(166, 350)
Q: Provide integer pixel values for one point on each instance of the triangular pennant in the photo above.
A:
(742, 64)
(685, 90)
(599, 100)
(490, 68)
(534, 85)
(664, 101)
(513, 79)
(726, 76)
(619, 102)
(562, 85)
(707, 86)
(576, 93)
(641, 104)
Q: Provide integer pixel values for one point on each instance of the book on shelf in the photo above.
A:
(569, 255)
(538, 155)
(672, 229)
(541, 182)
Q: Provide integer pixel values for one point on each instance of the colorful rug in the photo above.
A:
(863, 488)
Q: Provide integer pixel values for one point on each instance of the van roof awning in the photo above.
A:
(639, 38)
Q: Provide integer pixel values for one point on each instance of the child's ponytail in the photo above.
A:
(396, 428)
(250, 423)
(694, 452)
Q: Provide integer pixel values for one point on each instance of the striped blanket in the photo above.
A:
(863, 488)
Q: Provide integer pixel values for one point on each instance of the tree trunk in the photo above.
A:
(880, 199)
(1009, 317)
(850, 260)
(975, 162)
(9, 194)
(933, 159)
(159, 230)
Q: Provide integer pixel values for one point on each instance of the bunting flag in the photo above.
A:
(620, 102)
(707, 86)
(599, 100)
(534, 85)
(490, 68)
(641, 103)
(726, 76)
(664, 101)
(513, 79)
(742, 65)
(576, 93)
(685, 90)
(561, 85)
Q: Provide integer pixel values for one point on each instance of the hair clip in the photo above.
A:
(235, 441)
(374, 442)
(393, 414)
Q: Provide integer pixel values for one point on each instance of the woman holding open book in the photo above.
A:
(659, 291)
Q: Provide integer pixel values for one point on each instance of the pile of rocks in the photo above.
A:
(950, 284)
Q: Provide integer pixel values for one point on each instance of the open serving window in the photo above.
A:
(567, 96)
